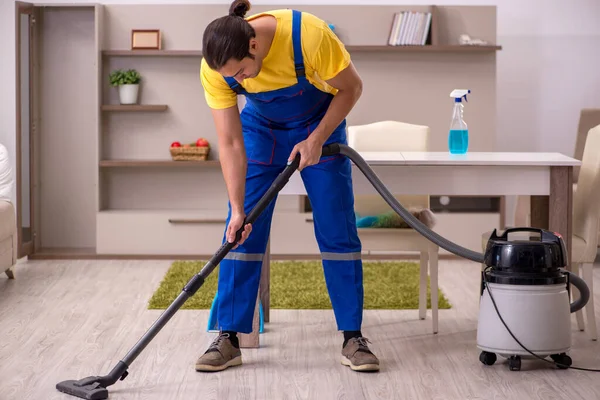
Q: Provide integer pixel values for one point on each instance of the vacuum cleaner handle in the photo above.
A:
(278, 184)
(330, 150)
(270, 194)
(545, 235)
(518, 229)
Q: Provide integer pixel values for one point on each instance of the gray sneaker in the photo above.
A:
(221, 354)
(358, 357)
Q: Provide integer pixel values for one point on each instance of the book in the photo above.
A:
(410, 28)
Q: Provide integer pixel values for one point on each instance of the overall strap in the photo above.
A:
(297, 41)
(234, 85)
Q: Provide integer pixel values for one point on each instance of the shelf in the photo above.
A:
(157, 163)
(175, 216)
(197, 220)
(152, 53)
(426, 48)
(351, 48)
(135, 107)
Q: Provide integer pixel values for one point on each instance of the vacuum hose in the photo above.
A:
(417, 225)
(583, 290)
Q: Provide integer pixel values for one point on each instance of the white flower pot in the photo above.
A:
(128, 94)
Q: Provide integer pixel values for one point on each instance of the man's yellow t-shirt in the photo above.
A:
(324, 57)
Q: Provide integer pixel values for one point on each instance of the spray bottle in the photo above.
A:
(458, 139)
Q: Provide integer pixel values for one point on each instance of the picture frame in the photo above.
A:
(146, 39)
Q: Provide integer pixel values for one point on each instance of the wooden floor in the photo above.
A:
(71, 319)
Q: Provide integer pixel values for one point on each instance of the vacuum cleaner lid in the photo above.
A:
(526, 262)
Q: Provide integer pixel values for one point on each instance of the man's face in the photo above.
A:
(243, 69)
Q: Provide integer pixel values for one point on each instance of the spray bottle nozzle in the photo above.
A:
(458, 94)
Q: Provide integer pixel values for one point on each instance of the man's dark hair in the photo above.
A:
(228, 37)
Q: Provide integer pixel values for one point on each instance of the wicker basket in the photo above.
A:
(191, 153)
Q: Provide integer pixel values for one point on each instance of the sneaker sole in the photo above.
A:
(214, 368)
(364, 367)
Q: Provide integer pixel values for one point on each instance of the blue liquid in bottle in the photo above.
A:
(458, 138)
(458, 141)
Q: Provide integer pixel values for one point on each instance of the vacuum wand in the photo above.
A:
(95, 387)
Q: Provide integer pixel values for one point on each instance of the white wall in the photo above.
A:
(548, 70)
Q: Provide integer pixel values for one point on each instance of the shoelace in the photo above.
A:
(363, 344)
(215, 344)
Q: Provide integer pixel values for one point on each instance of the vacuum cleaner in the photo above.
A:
(523, 287)
(524, 282)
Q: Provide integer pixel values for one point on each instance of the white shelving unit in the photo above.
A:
(108, 185)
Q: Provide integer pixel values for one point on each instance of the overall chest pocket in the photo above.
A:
(259, 141)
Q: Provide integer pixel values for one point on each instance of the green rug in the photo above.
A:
(301, 285)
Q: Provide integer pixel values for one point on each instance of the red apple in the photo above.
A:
(202, 142)
(175, 144)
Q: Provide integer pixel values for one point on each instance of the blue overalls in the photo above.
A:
(273, 123)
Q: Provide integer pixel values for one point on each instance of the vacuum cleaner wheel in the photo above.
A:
(514, 363)
(487, 358)
(562, 360)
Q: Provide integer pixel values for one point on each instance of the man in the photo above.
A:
(300, 85)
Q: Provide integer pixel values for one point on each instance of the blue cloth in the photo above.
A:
(366, 221)
(273, 123)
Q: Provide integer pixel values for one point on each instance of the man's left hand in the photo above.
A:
(310, 152)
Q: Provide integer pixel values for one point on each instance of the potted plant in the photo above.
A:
(128, 83)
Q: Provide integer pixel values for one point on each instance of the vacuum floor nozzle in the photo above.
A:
(87, 388)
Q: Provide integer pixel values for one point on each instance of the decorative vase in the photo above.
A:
(128, 94)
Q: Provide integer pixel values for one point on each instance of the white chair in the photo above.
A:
(386, 136)
(586, 215)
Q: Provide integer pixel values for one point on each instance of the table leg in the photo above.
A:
(540, 210)
(555, 212)
(265, 283)
(502, 212)
(560, 218)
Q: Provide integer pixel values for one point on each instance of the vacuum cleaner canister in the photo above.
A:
(524, 289)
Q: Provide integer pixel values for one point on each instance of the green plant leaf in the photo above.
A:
(120, 77)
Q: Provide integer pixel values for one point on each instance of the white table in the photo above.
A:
(441, 173)
(547, 177)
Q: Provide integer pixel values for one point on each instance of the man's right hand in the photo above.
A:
(235, 223)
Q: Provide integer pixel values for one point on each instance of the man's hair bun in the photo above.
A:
(239, 8)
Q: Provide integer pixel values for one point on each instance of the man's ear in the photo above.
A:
(253, 46)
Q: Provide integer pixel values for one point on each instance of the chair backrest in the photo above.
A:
(586, 199)
(7, 177)
(588, 118)
(388, 136)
